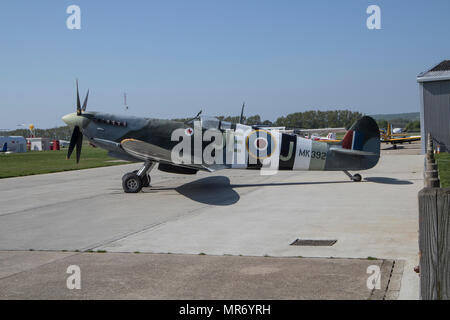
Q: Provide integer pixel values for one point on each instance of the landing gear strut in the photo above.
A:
(355, 177)
(133, 182)
(145, 179)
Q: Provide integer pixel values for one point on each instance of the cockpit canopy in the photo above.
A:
(207, 122)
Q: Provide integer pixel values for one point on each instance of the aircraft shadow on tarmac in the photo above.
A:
(386, 180)
(219, 191)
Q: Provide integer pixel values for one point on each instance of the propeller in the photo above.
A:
(77, 136)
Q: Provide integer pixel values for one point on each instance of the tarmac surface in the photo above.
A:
(173, 276)
(223, 215)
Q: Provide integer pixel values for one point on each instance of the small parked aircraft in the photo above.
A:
(330, 138)
(232, 146)
(394, 137)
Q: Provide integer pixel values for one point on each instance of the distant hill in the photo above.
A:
(410, 116)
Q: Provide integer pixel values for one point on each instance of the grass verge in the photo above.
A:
(38, 162)
(443, 162)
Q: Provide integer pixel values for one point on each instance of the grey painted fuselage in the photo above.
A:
(360, 151)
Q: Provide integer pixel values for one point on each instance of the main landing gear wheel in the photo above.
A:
(146, 179)
(131, 183)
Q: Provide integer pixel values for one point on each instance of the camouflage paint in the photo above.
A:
(292, 152)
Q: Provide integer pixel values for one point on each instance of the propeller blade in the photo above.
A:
(78, 101)
(85, 102)
(73, 141)
(79, 144)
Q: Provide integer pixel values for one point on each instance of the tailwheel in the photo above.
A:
(131, 183)
(354, 177)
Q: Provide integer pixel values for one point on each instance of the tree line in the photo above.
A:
(306, 120)
(58, 133)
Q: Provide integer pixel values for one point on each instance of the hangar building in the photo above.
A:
(434, 90)
(13, 144)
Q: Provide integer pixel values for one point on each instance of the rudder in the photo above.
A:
(364, 135)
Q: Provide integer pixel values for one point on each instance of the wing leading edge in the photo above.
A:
(147, 151)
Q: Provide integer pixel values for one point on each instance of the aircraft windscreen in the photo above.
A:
(207, 122)
(210, 122)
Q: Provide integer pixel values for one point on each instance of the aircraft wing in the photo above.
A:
(401, 140)
(329, 140)
(320, 130)
(147, 151)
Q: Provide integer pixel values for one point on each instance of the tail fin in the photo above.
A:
(5, 147)
(364, 135)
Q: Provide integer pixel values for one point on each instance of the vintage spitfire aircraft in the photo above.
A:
(237, 146)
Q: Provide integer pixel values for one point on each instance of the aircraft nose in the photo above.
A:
(69, 119)
(72, 119)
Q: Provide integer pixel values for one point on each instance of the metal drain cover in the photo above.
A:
(315, 243)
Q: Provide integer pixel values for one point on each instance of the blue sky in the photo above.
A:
(176, 57)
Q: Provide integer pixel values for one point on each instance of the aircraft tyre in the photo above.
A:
(356, 177)
(131, 183)
(145, 180)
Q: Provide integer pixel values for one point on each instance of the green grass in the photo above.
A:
(443, 162)
(38, 162)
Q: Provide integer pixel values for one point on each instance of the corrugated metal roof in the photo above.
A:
(439, 72)
(443, 66)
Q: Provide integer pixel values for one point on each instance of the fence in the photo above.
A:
(434, 233)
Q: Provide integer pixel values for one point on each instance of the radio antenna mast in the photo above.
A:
(125, 100)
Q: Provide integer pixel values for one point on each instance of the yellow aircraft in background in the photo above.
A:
(386, 136)
(396, 138)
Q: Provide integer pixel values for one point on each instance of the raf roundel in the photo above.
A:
(189, 131)
(261, 144)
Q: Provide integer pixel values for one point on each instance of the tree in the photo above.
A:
(413, 126)
(252, 120)
(319, 119)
